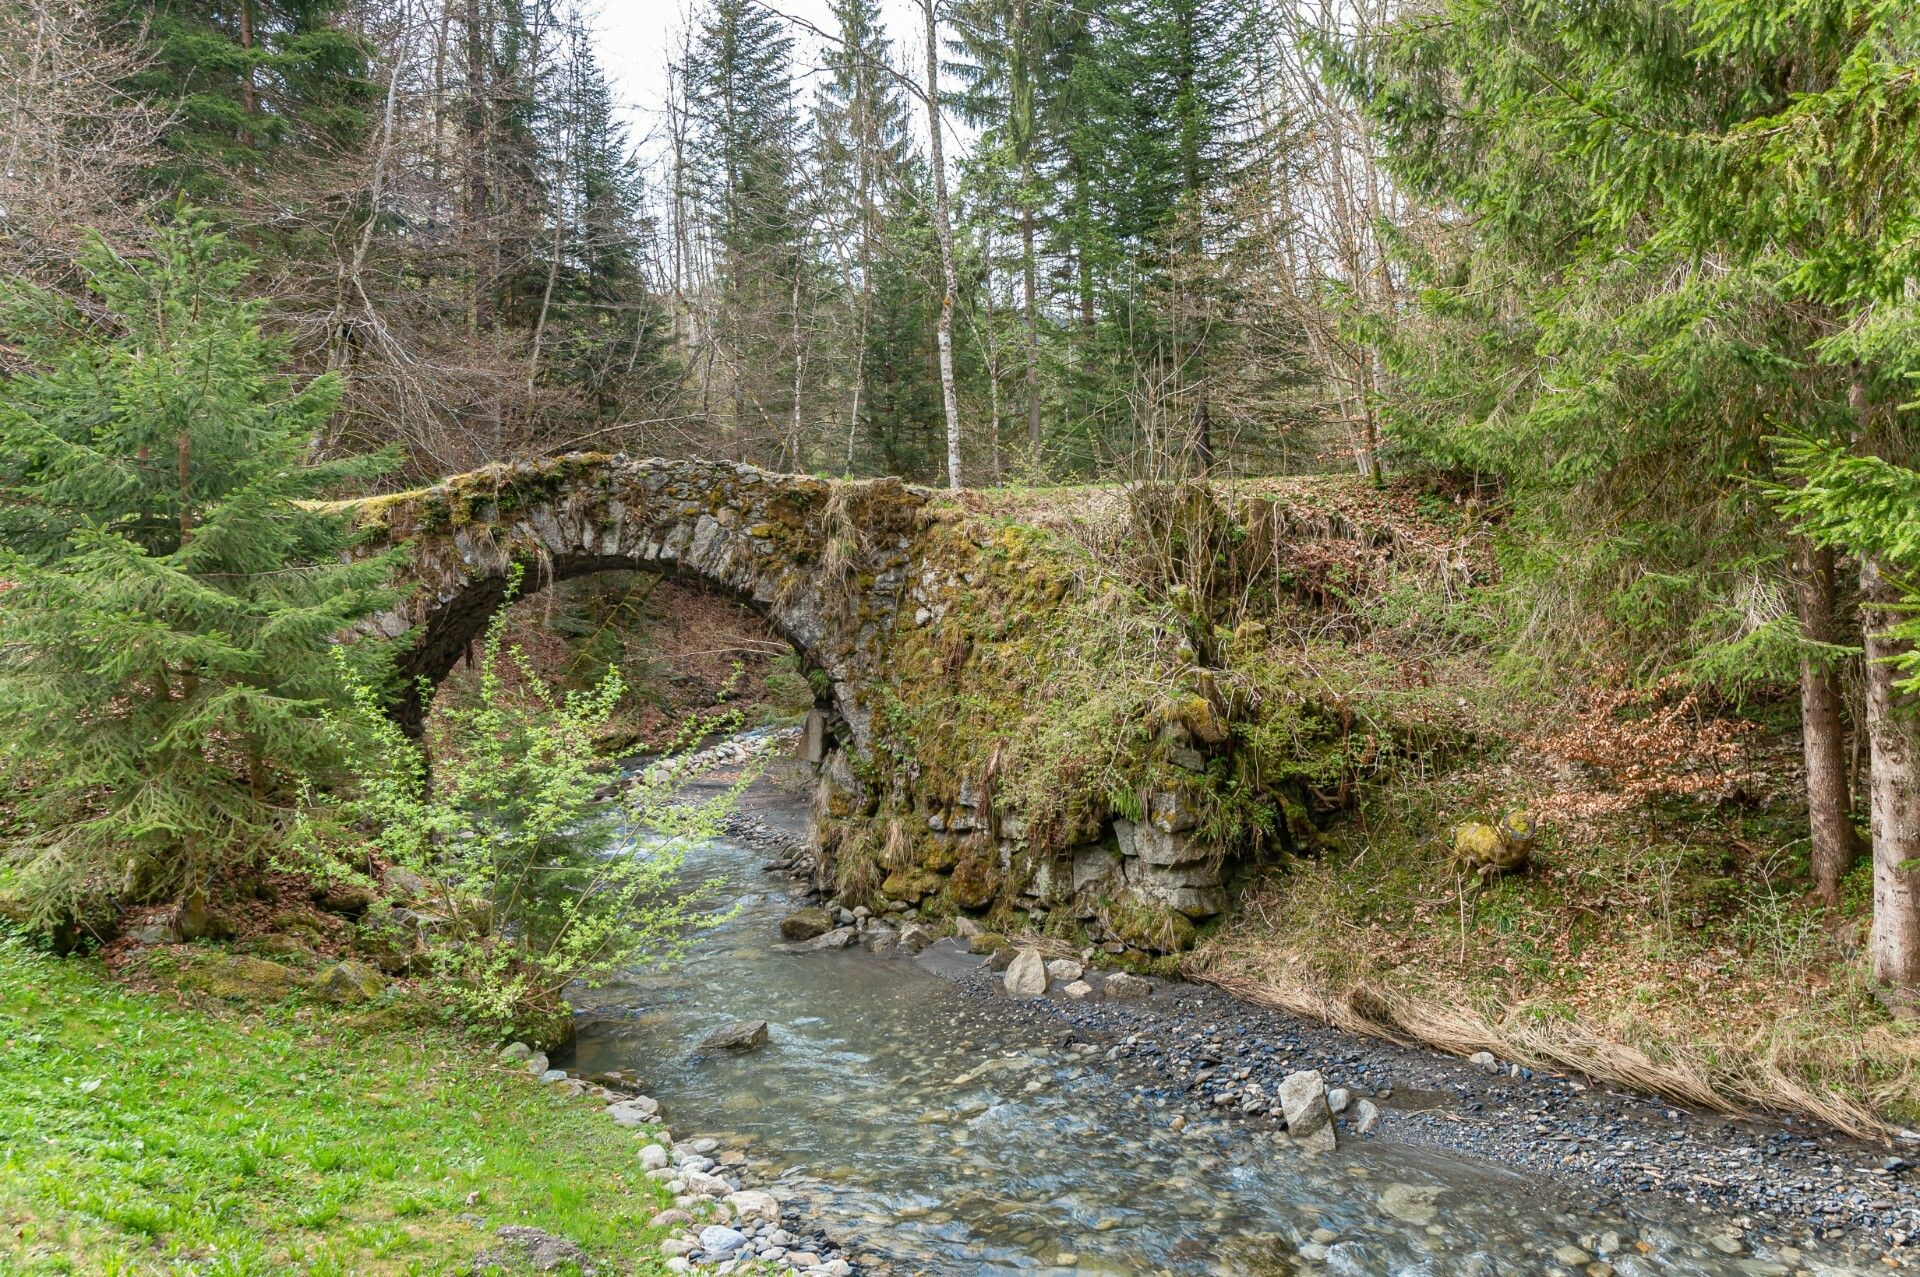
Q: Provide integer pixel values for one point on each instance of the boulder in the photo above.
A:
(916, 936)
(743, 1035)
(1149, 843)
(404, 884)
(838, 938)
(1366, 1115)
(910, 885)
(720, 1241)
(1065, 970)
(1027, 975)
(805, 924)
(343, 897)
(1123, 985)
(349, 983)
(753, 1204)
(199, 920)
(1078, 989)
(702, 1184)
(1303, 1098)
(235, 975)
(1094, 867)
(1002, 958)
(637, 1111)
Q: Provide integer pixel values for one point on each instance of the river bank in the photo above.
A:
(1777, 1196)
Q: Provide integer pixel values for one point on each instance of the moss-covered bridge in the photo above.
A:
(1032, 711)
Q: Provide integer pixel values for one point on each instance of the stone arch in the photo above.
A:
(824, 562)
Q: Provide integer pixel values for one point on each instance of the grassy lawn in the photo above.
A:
(140, 1134)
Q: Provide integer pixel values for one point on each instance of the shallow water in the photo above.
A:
(954, 1140)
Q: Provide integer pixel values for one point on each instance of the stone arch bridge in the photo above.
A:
(1011, 729)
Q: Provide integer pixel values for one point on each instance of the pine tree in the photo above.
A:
(865, 149)
(260, 85)
(167, 638)
(749, 154)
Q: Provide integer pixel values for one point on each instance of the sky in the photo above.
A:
(638, 36)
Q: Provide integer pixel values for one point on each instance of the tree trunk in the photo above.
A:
(1823, 737)
(1893, 786)
(943, 229)
(1031, 305)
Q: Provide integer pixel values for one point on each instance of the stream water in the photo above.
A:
(951, 1138)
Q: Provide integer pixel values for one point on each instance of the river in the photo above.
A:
(925, 1127)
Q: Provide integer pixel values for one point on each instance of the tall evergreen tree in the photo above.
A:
(168, 656)
(261, 86)
(748, 162)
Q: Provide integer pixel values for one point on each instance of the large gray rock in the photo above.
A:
(1094, 867)
(1148, 842)
(1303, 1098)
(805, 924)
(1027, 975)
(742, 1036)
(1122, 984)
(637, 1111)
(1192, 889)
(720, 1241)
(349, 983)
(838, 938)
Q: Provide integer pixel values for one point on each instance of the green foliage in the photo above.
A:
(166, 669)
(1688, 229)
(539, 884)
(281, 83)
(134, 1131)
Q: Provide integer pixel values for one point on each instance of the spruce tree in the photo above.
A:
(257, 86)
(167, 640)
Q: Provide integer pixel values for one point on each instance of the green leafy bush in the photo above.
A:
(531, 881)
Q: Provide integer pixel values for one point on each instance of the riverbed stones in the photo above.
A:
(838, 938)
(1303, 1098)
(1365, 1116)
(805, 924)
(754, 1204)
(743, 1035)
(652, 1157)
(637, 1111)
(704, 1184)
(1065, 970)
(720, 1241)
(1124, 985)
(1026, 975)
(1485, 1061)
(1078, 989)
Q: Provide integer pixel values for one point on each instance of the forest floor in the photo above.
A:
(160, 1131)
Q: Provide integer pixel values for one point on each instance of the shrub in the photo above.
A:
(534, 882)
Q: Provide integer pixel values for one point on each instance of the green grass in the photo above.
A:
(140, 1135)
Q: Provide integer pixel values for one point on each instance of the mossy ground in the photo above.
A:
(143, 1135)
